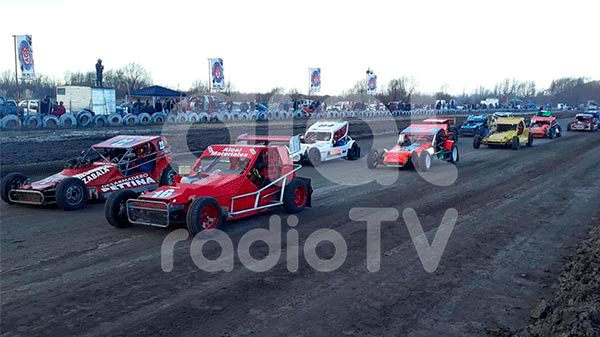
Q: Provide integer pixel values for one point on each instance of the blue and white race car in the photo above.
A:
(475, 125)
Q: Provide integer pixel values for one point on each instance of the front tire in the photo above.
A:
(353, 152)
(314, 156)
(453, 155)
(372, 159)
(558, 131)
(10, 182)
(71, 194)
(550, 133)
(115, 209)
(476, 141)
(515, 143)
(425, 161)
(204, 215)
(295, 196)
(530, 140)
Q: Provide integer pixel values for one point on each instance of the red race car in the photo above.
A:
(416, 145)
(584, 122)
(543, 126)
(139, 163)
(227, 182)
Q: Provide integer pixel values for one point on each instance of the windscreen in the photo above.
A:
(224, 165)
(312, 137)
(506, 127)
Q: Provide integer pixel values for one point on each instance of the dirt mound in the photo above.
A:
(575, 309)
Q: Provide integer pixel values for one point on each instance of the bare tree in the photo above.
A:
(135, 76)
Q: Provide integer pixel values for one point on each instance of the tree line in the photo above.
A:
(572, 91)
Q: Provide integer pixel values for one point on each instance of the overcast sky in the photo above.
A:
(265, 44)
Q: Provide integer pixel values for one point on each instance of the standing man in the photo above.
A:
(99, 69)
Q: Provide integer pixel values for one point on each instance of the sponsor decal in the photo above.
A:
(135, 181)
(236, 152)
(335, 152)
(93, 174)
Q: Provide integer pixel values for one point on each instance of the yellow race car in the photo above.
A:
(506, 131)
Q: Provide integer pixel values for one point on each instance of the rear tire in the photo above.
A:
(558, 131)
(115, 209)
(71, 194)
(295, 196)
(372, 159)
(530, 140)
(10, 182)
(550, 133)
(204, 214)
(166, 178)
(314, 156)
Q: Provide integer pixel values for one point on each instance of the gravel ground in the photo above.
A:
(575, 308)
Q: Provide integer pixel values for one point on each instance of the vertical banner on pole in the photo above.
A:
(371, 82)
(217, 78)
(315, 80)
(25, 55)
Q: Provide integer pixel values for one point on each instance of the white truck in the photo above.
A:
(324, 141)
(102, 101)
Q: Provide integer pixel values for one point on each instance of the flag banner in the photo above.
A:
(371, 84)
(25, 57)
(217, 78)
(315, 79)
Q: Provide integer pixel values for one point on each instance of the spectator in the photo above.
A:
(99, 69)
(45, 106)
(158, 106)
(59, 109)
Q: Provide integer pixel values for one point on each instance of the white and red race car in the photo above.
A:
(328, 140)
(138, 163)
(416, 146)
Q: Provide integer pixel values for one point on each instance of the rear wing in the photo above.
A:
(291, 142)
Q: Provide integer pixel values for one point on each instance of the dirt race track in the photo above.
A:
(520, 213)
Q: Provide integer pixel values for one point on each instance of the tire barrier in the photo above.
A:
(159, 118)
(171, 119)
(50, 122)
(115, 120)
(33, 122)
(261, 116)
(99, 121)
(144, 119)
(203, 117)
(130, 120)
(224, 117)
(67, 121)
(181, 119)
(193, 117)
(84, 118)
(10, 122)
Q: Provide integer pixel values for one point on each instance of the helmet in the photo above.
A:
(401, 138)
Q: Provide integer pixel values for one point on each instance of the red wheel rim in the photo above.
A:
(300, 196)
(209, 217)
